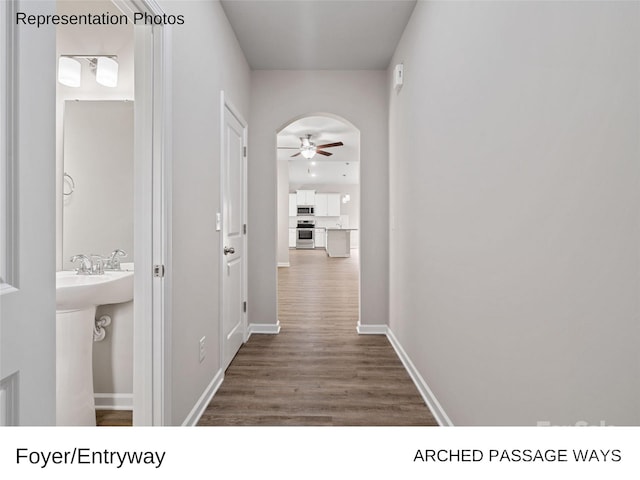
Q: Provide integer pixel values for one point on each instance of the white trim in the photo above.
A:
(152, 177)
(371, 329)
(264, 328)
(427, 395)
(9, 400)
(113, 401)
(420, 383)
(162, 221)
(284, 264)
(201, 405)
(9, 255)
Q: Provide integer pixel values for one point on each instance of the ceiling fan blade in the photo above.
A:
(296, 154)
(327, 145)
(322, 152)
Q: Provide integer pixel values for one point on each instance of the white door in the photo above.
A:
(233, 236)
(27, 221)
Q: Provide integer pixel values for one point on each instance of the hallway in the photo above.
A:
(318, 370)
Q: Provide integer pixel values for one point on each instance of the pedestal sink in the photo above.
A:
(77, 297)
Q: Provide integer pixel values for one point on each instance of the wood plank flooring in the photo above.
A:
(318, 370)
(114, 418)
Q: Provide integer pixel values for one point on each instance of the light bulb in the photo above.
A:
(69, 72)
(107, 72)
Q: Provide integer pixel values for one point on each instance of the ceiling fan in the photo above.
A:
(308, 149)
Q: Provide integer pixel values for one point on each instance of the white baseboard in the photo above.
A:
(371, 329)
(427, 395)
(264, 328)
(113, 401)
(196, 412)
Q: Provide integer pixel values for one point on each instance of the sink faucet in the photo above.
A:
(85, 267)
(97, 266)
(89, 264)
(112, 262)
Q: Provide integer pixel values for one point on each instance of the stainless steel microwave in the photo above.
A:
(306, 210)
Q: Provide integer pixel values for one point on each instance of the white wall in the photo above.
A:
(206, 60)
(277, 98)
(515, 209)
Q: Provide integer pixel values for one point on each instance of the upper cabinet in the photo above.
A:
(321, 204)
(333, 205)
(327, 204)
(306, 197)
(293, 205)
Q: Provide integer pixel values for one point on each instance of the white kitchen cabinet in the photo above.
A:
(327, 204)
(321, 204)
(292, 238)
(306, 197)
(319, 239)
(293, 205)
(333, 205)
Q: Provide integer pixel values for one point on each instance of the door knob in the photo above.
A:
(229, 250)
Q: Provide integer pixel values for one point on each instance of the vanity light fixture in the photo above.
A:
(69, 70)
(105, 68)
(346, 198)
(107, 71)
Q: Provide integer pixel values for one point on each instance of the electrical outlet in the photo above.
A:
(203, 352)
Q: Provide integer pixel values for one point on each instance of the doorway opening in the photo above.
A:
(112, 171)
(95, 208)
(318, 186)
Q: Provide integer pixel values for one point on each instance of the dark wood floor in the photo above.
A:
(114, 418)
(318, 370)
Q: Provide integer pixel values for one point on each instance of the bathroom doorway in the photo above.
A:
(116, 181)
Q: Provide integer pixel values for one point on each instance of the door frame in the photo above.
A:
(152, 240)
(8, 157)
(225, 103)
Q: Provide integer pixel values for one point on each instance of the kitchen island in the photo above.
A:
(339, 242)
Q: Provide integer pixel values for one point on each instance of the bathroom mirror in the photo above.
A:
(98, 179)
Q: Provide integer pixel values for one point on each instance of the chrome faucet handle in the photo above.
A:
(97, 265)
(85, 266)
(112, 261)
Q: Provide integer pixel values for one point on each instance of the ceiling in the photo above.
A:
(331, 170)
(318, 34)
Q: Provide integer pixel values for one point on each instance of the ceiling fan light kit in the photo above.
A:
(308, 149)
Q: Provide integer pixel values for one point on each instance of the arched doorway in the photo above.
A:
(318, 211)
